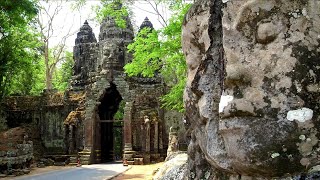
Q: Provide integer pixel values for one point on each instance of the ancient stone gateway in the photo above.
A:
(98, 73)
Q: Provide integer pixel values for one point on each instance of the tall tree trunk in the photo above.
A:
(48, 73)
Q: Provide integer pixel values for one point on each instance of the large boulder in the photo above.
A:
(173, 168)
(252, 95)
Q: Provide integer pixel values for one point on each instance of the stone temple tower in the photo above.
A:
(113, 41)
(139, 136)
(105, 90)
(146, 23)
(85, 56)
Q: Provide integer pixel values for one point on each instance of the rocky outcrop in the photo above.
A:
(173, 168)
(253, 79)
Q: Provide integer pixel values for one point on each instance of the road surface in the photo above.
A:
(85, 172)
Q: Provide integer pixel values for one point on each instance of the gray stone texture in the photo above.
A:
(252, 94)
(16, 151)
(85, 56)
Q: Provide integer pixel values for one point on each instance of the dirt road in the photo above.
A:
(139, 172)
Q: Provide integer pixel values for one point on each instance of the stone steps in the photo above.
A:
(84, 157)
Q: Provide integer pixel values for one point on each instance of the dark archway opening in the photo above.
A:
(107, 109)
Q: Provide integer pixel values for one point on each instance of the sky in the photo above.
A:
(68, 20)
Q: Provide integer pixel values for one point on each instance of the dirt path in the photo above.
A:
(37, 171)
(139, 172)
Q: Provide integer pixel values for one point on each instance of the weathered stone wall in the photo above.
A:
(16, 152)
(3, 121)
(45, 113)
(52, 129)
(149, 134)
(252, 94)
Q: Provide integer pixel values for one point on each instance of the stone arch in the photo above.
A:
(104, 131)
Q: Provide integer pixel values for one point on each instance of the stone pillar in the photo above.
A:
(160, 138)
(71, 139)
(88, 131)
(128, 153)
(156, 136)
(147, 131)
(148, 137)
(97, 139)
(66, 138)
(89, 126)
(85, 155)
(142, 137)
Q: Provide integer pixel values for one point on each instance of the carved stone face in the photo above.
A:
(109, 53)
(268, 122)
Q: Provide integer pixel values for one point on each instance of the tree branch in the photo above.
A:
(155, 8)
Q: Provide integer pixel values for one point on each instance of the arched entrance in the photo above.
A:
(110, 130)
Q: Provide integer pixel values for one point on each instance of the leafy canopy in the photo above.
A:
(19, 47)
(64, 72)
(112, 8)
(161, 51)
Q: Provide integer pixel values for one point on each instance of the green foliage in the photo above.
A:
(174, 98)
(146, 51)
(120, 112)
(28, 80)
(161, 51)
(64, 72)
(112, 8)
(39, 78)
(19, 47)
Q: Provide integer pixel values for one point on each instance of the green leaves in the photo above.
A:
(161, 51)
(147, 52)
(112, 8)
(19, 46)
(64, 72)
(173, 99)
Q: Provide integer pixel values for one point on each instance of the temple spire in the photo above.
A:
(85, 35)
(146, 23)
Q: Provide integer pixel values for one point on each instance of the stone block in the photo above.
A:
(59, 163)
(138, 161)
(146, 159)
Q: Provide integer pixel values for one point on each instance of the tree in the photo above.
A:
(64, 72)
(53, 56)
(113, 8)
(162, 51)
(19, 46)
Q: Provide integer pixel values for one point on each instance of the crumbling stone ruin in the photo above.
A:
(104, 115)
(253, 79)
(108, 90)
(16, 152)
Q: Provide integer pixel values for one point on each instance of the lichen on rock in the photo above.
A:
(264, 54)
(74, 118)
